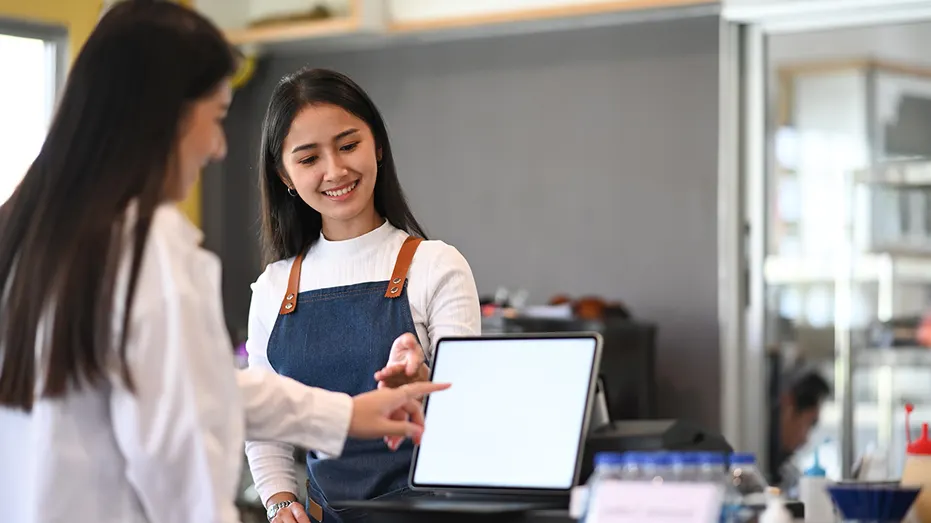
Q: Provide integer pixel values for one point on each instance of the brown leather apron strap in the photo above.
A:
(289, 303)
(399, 276)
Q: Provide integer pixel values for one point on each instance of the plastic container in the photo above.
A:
(609, 466)
(683, 466)
(664, 467)
(917, 471)
(649, 468)
(776, 511)
(710, 467)
(630, 467)
(813, 493)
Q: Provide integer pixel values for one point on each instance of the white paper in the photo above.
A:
(635, 502)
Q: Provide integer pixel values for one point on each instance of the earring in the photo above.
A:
(292, 192)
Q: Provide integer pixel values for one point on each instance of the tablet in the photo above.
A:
(515, 417)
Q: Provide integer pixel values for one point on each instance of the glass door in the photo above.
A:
(837, 189)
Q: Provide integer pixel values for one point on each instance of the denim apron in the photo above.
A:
(336, 339)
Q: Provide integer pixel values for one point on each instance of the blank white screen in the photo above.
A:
(513, 416)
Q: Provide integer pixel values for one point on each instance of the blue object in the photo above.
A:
(816, 470)
(711, 458)
(880, 502)
(691, 458)
(335, 339)
(743, 458)
(663, 459)
(608, 459)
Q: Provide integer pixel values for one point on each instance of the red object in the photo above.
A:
(923, 333)
(922, 445)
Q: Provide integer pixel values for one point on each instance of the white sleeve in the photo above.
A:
(281, 409)
(453, 306)
(271, 463)
(174, 429)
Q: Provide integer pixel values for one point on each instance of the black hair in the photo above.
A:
(290, 226)
(808, 390)
(111, 144)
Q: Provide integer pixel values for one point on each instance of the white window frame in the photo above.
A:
(56, 49)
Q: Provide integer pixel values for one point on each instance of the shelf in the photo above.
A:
(362, 17)
(571, 10)
(893, 357)
(781, 270)
(368, 22)
(880, 357)
(914, 174)
(293, 31)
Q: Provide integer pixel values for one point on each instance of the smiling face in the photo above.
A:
(330, 158)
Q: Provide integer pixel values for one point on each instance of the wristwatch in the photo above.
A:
(273, 510)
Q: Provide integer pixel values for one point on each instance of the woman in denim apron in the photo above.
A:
(351, 277)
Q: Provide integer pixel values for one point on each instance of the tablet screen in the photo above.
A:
(514, 416)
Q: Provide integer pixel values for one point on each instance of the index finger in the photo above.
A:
(422, 388)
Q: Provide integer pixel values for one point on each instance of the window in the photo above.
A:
(32, 66)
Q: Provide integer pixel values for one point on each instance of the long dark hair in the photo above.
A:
(111, 143)
(289, 226)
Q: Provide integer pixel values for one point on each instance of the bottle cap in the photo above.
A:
(920, 446)
(742, 458)
(816, 470)
(647, 458)
(638, 457)
(607, 459)
(681, 458)
(691, 458)
(710, 458)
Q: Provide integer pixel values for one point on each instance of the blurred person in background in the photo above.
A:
(804, 391)
(352, 289)
(119, 400)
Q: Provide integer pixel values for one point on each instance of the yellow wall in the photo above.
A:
(80, 17)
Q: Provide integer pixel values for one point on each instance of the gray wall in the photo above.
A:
(580, 162)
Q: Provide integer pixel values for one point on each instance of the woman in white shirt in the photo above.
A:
(351, 274)
(119, 401)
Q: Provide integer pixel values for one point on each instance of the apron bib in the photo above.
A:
(336, 339)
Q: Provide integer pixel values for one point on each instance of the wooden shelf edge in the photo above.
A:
(348, 25)
(538, 14)
(846, 64)
(293, 31)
